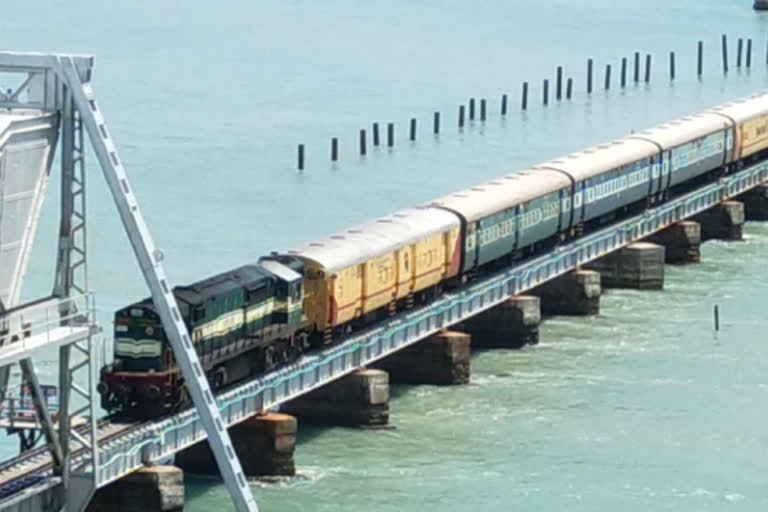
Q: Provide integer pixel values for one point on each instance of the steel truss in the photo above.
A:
(62, 83)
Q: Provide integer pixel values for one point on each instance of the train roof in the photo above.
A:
(242, 277)
(280, 270)
(744, 109)
(502, 193)
(377, 237)
(602, 158)
(681, 131)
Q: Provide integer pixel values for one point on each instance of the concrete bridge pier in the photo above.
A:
(756, 200)
(723, 221)
(264, 444)
(150, 489)
(360, 399)
(681, 241)
(512, 324)
(639, 265)
(442, 360)
(574, 293)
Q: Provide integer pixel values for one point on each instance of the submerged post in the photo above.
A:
(672, 65)
(725, 53)
(559, 84)
(623, 72)
(648, 67)
(525, 96)
(545, 92)
(461, 116)
(436, 123)
(739, 47)
(301, 157)
(749, 53)
(607, 76)
(569, 88)
(700, 59)
(637, 67)
(363, 149)
(503, 104)
(334, 149)
(589, 76)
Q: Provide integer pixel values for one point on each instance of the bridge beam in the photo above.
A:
(441, 360)
(723, 221)
(681, 241)
(360, 399)
(512, 324)
(264, 445)
(149, 489)
(756, 202)
(639, 265)
(575, 293)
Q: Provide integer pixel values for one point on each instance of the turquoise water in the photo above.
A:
(639, 408)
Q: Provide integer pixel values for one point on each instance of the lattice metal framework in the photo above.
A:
(62, 83)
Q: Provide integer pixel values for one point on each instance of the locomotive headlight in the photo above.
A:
(102, 388)
(150, 331)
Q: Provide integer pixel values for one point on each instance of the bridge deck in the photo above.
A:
(126, 447)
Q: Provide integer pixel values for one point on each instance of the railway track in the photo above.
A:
(37, 461)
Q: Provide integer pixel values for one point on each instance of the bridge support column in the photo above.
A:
(442, 360)
(723, 221)
(639, 265)
(512, 324)
(264, 444)
(360, 399)
(575, 293)
(681, 241)
(756, 200)
(152, 489)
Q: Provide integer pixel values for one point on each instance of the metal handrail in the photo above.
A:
(43, 317)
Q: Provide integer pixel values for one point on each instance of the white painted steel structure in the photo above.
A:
(60, 87)
(126, 448)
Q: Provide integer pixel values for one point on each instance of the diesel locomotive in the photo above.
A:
(259, 316)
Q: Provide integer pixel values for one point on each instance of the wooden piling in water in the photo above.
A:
(482, 109)
(301, 157)
(648, 67)
(503, 104)
(700, 59)
(413, 129)
(739, 48)
(545, 92)
(375, 134)
(436, 123)
(749, 53)
(725, 53)
(390, 134)
(525, 96)
(559, 83)
(569, 88)
(637, 67)
(363, 149)
(589, 76)
(672, 66)
(471, 109)
(461, 116)
(334, 149)
(607, 77)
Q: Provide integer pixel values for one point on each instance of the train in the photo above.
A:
(255, 318)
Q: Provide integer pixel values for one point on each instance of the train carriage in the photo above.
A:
(691, 146)
(750, 116)
(504, 215)
(363, 272)
(609, 176)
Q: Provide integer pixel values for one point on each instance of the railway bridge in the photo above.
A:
(54, 106)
